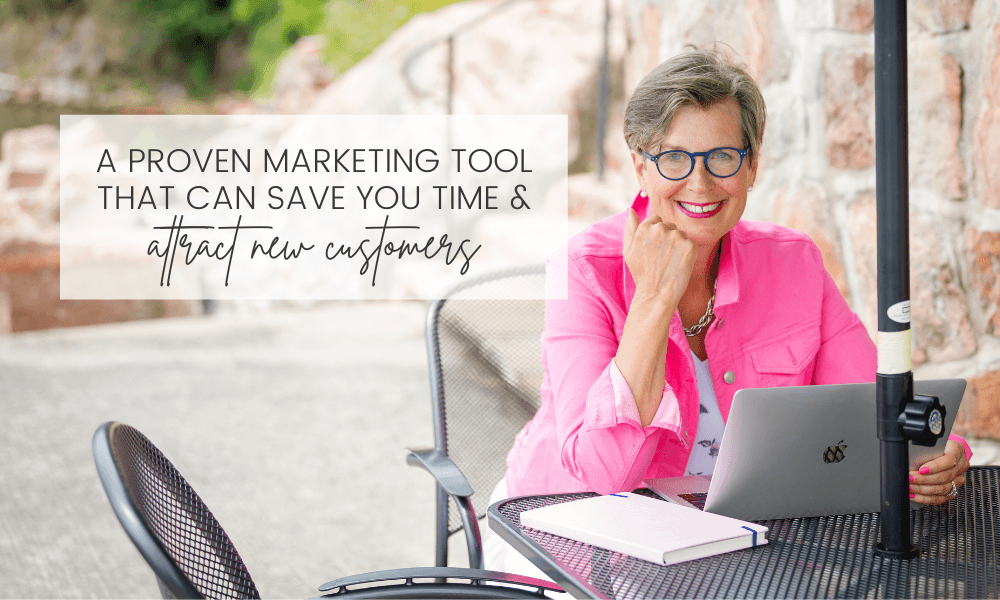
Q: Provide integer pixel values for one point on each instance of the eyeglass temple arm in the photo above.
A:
(450, 478)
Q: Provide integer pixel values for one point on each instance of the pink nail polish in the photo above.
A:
(911, 478)
(913, 495)
(925, 470)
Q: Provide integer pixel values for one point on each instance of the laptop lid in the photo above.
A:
(810, 450)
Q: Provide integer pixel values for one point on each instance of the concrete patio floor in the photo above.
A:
(291, 426)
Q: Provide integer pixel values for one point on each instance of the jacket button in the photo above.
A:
(729, 377)
(718, 324)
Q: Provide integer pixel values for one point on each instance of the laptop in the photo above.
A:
(802, 452)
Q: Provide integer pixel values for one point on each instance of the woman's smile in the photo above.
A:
(700, 211)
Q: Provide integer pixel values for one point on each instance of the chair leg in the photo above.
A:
(441, 539)
(472, 538)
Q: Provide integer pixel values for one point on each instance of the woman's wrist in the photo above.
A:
(655, 305)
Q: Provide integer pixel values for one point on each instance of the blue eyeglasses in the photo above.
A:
(678, 164)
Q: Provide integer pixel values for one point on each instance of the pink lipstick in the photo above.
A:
(701, 215)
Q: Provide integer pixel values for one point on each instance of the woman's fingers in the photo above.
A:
(935, 489)
(630, 226)
(931, 478)
(929, 472)
(932, 482)
(656, 251)
(935, 494)
(922, 499)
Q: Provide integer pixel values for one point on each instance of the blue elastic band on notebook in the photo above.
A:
(754, 532)
(619, 495)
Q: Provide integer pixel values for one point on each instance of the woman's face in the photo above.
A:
(697, 129)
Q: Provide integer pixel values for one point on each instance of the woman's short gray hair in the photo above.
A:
(698, 77)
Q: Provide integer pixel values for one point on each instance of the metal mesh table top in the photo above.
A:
(828, 557)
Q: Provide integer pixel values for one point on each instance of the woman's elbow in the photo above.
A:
(603, 468)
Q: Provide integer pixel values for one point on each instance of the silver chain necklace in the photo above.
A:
(705, 318)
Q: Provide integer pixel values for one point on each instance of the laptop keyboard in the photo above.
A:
(697, 500)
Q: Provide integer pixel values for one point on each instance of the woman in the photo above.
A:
(676, 304)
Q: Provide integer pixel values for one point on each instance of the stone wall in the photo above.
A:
(29, 245)
(814, 60)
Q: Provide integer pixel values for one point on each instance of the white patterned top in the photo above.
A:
(710, 424)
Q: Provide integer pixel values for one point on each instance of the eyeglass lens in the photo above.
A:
(721, 162)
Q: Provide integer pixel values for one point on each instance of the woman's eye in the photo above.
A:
(722, 156)
(676, 157)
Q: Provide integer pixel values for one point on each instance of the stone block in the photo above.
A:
(31, 150)
(849, 99)
(986, 142)
(987, 156)
(29, 294)
(939, 16)
(29, 180)
(941, 323)
(854, 15)
(935, 119)
(644, 53)
(786, 135)
(942, 329)
(982, 248)
(861, 225)
(63, 90)
(752, 28)
(979, 415)
(805, 206)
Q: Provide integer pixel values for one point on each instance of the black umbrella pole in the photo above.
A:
(894, 380)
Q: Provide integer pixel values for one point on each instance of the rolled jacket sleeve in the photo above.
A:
(601, 440)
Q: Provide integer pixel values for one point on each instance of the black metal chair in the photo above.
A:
(485, 369)
(192, 557)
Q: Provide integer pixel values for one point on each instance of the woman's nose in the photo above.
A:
(700, 179)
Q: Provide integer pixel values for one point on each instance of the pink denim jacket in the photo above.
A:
(779, 321)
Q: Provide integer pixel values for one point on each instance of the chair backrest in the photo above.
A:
(485, 374)
(171, 527)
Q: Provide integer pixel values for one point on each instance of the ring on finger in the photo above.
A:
(953, 492)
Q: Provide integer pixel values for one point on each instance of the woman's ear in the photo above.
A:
(639, 162)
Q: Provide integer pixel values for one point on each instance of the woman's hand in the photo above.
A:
(931, 484)
(660, 258)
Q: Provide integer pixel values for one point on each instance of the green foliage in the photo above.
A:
(192, 31)
(351, 28)
(274, 25)
(354, 28)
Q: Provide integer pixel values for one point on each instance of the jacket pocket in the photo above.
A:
(787, 360)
